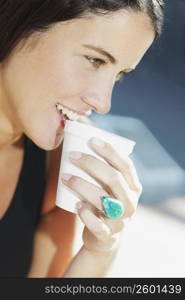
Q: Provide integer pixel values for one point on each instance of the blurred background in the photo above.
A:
(149, 107)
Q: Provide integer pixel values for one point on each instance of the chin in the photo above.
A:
(46, 131)
(46, 141)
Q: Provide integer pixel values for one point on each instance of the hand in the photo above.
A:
(118, 179)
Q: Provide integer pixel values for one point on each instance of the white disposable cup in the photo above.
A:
(76, 138)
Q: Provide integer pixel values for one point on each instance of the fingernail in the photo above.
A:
(97, 142)
(75, 155)
(79, 205)
(66, 177)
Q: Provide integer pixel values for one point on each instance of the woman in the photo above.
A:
(69, 53)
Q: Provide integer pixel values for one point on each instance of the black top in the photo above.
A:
(18, 225)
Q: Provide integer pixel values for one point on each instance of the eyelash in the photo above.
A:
(98, 61)
(101, 62)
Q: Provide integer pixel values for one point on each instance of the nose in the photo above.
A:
(98, 100)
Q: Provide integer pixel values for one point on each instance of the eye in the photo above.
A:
(96, 62)
(120, 77)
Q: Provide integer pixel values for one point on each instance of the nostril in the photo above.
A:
(100, 106)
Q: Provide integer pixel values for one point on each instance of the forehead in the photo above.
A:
(125, 34)
(120, 32)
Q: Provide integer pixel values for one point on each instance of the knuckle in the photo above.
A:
(130, 210)
(114, 178)
(113, 240)
(120, 225)
(127, 164)
(87, 160)
(104, 237)
(139, 189)
(130, 167)
(103, 233)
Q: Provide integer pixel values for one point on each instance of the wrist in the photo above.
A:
(101, 260)
(90, 264)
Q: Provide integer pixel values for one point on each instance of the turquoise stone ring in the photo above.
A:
(112, 207)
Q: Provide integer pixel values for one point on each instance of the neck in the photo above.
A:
(8, 142)
(10, 132)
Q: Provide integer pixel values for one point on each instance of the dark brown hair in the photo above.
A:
(19, 18)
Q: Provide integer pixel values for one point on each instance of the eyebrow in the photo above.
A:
(110, 57)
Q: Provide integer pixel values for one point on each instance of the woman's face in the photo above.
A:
(64, 65)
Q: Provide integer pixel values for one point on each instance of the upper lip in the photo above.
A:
(85, 113)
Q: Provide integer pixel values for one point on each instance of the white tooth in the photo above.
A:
(59, 106)
(64, 109)
(65, 112)
(70, 114)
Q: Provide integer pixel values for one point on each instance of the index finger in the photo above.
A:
(122, 163)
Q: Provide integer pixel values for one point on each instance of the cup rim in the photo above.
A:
(82, 130)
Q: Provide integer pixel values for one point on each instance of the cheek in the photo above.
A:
(45, 76)
(67, 78)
